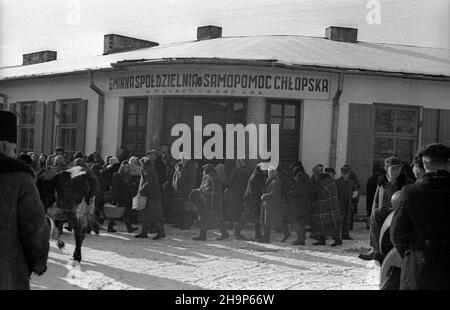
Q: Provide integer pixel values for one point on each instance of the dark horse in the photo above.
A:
(69, 195)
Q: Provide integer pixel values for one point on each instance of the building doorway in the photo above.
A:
(217, 110)
(286, 113)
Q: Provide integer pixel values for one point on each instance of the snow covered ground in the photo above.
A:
(119, 261)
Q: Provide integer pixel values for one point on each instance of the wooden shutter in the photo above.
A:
(360, 141)
(39, 127)
(49, 125)
(444, 127)
(430, 128)
(81, 125)
(436, 126)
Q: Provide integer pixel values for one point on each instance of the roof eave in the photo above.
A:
(275, 63)
(123, 65)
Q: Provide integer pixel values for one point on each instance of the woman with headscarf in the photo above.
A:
(234, 192)
(184, 180)
(252, 203)
(209, 204)
(271, 207)
(42, 161)
(135, 172)
(106, 162)
(122, 195)
(35, 161)
(152, 213)
(326, 218)
(109, 171)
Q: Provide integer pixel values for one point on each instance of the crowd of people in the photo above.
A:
(216, 195)
(186, 193)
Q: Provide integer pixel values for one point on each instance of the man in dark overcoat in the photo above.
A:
(24, 232)
(346, 187)
(420, 228)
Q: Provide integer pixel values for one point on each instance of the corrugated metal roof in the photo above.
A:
(284, 49)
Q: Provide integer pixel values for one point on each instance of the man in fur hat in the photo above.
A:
(24, 232)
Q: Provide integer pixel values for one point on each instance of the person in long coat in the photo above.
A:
(355, 200)
(388, 184)
(252, 203)
(234, 192)
(122, 194)
(371, 188)
(152, 213)
(346, 188)
(24, 232)
(135, 172)
(184, 180)
(167, 187)
(298, 203)
(326, 218)
(99, 198)
(420, 227)
(209, 204)
(271, 206)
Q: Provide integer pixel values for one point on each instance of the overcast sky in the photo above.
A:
(76, 27)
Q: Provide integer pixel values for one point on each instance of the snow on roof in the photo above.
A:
(289, 50)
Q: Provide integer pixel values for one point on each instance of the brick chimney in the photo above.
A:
(38, 57)
(115, 43)
(342, 34)
(209, 32)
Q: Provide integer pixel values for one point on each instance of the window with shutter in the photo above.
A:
(71, 130)
(26, 111)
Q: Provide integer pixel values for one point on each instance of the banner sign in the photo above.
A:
(204, 81)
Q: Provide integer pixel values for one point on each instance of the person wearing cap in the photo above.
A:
(417, 168)
(393, 180)
(420, 227)
(346, 188)
(59, 150)
(24, 232)
(210, 213)
(355, 199)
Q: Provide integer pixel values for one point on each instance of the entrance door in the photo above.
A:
(286, 114)
(215, 110)
(135, 125)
